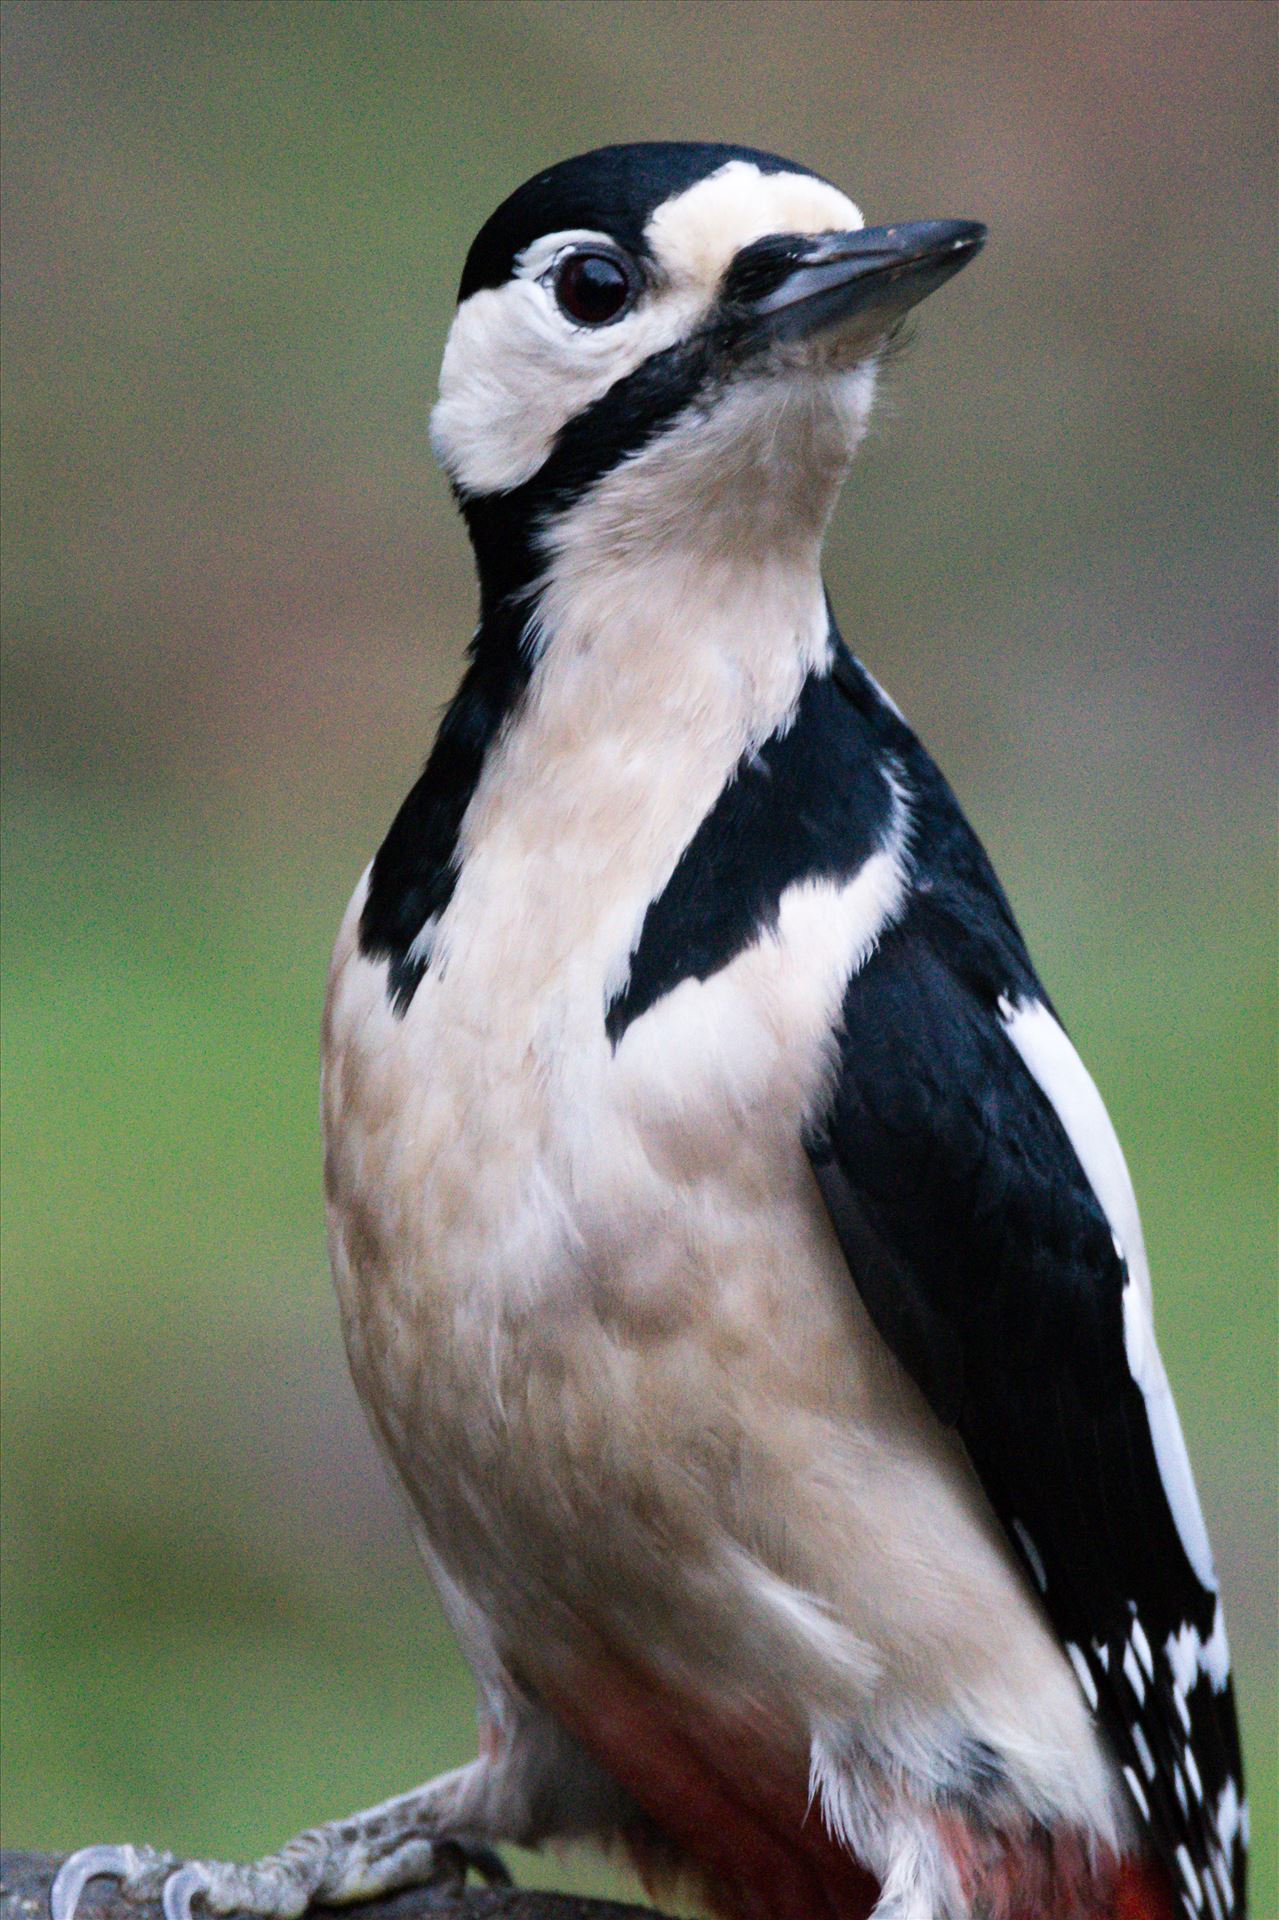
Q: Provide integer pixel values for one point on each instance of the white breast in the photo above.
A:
(491, 1126)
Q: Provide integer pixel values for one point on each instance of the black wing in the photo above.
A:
(988, 1264)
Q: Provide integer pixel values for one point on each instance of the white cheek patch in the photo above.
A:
(516, 370)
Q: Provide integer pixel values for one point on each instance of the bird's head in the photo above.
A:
(680, 339)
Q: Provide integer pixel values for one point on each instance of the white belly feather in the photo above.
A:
(603, 1326)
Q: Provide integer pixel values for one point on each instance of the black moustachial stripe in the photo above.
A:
(509, 531)
(813, 803)
(415, 869)
(414, 873)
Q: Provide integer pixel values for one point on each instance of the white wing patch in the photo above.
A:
(1062, 1077)
(1165, 1430)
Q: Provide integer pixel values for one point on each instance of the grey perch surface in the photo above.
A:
(25, 1880)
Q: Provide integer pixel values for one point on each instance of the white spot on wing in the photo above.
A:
(1191, 1879)
(1182, 1649)
(1133, 1673)
(1142, 1647)
(1214, 1898)
(1144, 1754)
(1214, 1657)
(1137, 1791)
(1229, 1814)
(1087, 1684)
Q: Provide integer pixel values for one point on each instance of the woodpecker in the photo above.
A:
(736, 1261)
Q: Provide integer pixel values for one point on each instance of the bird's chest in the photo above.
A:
(542, 1232)
(556, 1235)
(498, 1157)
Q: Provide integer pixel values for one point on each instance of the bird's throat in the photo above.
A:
(594, 733)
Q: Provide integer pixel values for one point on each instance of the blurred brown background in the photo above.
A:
(234, 595)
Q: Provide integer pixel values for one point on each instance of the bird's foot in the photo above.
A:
(354, 1859)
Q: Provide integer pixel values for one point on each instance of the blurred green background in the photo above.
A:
(234, 596)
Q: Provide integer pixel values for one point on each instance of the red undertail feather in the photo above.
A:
(728, 1815)
(1144, 1892)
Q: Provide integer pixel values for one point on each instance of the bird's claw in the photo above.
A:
(141, 1872)
(270, 1890)
(181, 1888)
(277, 1889)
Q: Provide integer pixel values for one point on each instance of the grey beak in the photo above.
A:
(791, 286)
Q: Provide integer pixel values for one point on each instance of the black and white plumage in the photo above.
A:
(983, 1203)
(736, 1260)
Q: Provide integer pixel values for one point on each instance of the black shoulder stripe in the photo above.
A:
(813, 803)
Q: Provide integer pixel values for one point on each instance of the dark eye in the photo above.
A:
(592, 288)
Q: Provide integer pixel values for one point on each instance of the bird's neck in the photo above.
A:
(596, 726)
(650, 676)
(672, 640)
